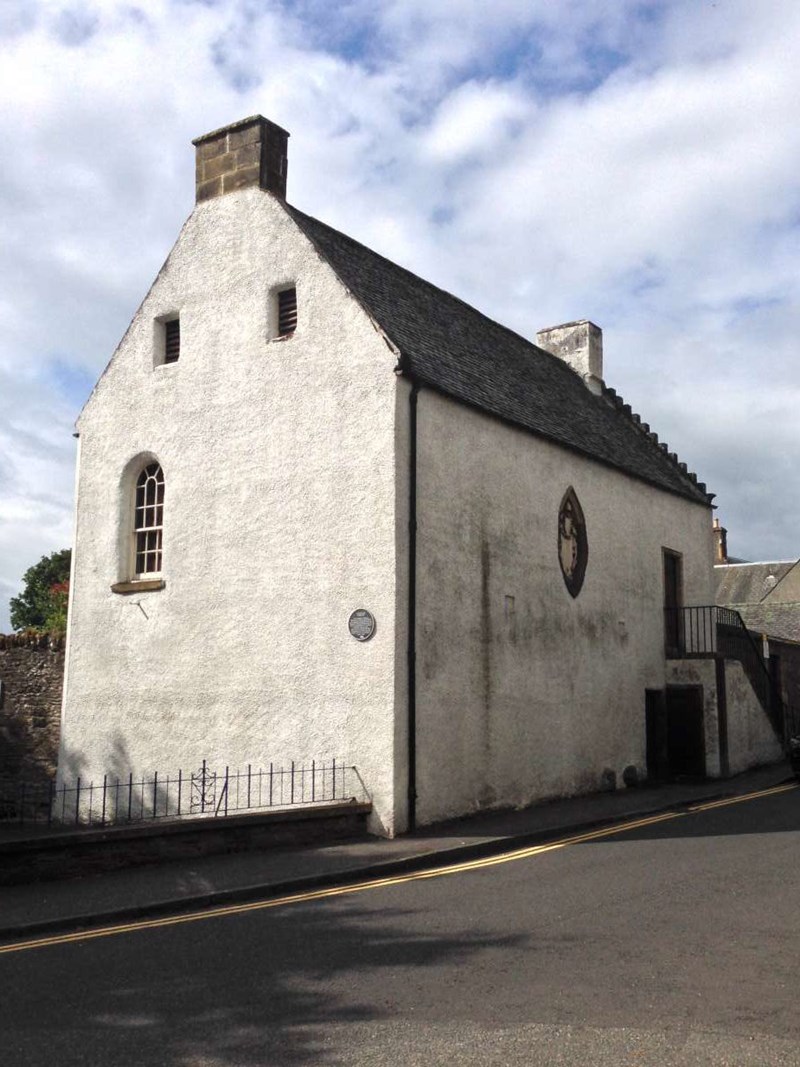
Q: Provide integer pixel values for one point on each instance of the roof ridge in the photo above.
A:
(761, 563)
(770, 591)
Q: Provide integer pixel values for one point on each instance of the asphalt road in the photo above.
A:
(673, 943)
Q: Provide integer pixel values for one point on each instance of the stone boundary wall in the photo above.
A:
(74, 854)
(31, 683)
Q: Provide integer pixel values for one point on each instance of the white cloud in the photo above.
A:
(630, 162)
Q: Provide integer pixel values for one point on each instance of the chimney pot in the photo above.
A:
(252, 151)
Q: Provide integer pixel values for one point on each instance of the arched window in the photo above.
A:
(148, 521)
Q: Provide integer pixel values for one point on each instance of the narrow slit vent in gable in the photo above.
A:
(287, 312)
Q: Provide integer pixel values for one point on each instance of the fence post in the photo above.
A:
(78, 801)
(103, 815)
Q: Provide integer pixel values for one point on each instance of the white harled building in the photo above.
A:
(325, 509)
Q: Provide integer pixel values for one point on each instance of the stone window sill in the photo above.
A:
(148, 585)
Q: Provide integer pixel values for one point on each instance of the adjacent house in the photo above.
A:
(767, 597)
(326, 508)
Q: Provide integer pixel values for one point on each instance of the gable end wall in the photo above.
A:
(278, 457)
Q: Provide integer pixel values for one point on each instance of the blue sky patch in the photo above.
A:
(74, 384)
(75, 26)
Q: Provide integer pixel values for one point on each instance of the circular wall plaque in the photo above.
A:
(361, 624)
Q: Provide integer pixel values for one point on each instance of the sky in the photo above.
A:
(633, 162)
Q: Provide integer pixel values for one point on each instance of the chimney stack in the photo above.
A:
(720, 542)
(580, 344)
(250, 152)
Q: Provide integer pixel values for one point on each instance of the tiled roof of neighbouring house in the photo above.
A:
(749, 583)
(775, 620)
(449, 346)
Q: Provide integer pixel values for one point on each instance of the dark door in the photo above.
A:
(686, 746)
(673, 599)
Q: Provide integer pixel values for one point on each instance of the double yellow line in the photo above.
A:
(380, 883)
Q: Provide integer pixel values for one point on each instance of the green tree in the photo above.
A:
(42, 603)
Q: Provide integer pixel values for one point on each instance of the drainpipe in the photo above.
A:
(412, 606)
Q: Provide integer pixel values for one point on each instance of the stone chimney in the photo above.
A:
(250, 152)
(720, 543)
(580, 344)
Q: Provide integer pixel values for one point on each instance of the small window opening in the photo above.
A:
(172, 341)
(149, 521)
(287, 312)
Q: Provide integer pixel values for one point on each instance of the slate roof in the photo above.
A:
(453, 348)
(746, 589)
(747, 583)
(775, 620)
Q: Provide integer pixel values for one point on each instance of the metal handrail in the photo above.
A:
(709, 630)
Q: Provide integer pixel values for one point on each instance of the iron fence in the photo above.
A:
(205, 792)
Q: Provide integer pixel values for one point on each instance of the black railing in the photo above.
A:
(205, 792)
(709, 630)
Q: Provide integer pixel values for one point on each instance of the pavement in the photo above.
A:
(27, 911)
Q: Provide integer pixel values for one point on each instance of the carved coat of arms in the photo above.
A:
(573, 549)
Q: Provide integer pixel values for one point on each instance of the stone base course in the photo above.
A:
(75, 854)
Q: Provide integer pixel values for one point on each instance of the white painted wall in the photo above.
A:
(513, 708)
(286, 466)
(279, 458)
(751, 739)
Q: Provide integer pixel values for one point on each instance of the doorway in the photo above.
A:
(686, 747)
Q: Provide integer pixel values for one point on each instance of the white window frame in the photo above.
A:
(148, 521)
